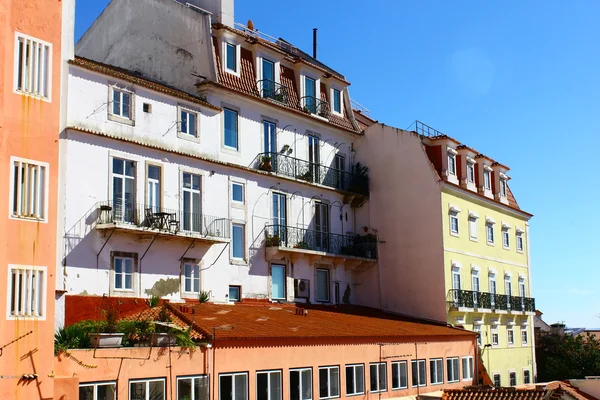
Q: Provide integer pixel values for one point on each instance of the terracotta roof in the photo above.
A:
(277, 321)
(151, 314)
(561, 387)
(511, 203)
(511, 198)
(138, 79)
(486, 393)
(363, 120)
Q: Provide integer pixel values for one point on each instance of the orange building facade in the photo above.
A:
(30, 110)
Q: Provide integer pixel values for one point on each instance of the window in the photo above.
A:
(490, 233)
(399, 375)
(470, 172)
(279, 215)
(451, 163)
(188, 122)
(505, 239)
(355, 379)
(492, 284)
(268, 76)
(192, 221)
(310, 94)
(230, 123)
(123, 270)
(193, 387)
(235, 293)
(467, 368)
(153, 191)
(238, 240)
(526, 378)
(456, 284)
(301, 384)
(519, 241)
(270, 139)
(337, 101)
(98, 391)
(507, 285)
(497, 382)
(339, 165)
(473, 228)
(122, 104)
(29, 189)
(278, 282)
(147, 108)
(378, 377)
(436, 371)
(419, 375)
(27, 292)
(495, 338)
(323, 285)
(150, 389)
(502, 187)
(513, 378)
(454, 223)
(123, 190)
(268, 385)
(231, 57)
(321, 223)
(487, 180)
(524, 337)
(329, 382)
(233, 386)
(191, 277)
(33, 61)
(452, 369)
(237, 192)
(477, 329)
(510, 336)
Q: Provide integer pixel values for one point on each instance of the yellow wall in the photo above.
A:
(461, 250)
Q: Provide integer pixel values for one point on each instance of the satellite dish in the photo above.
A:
(250, 25)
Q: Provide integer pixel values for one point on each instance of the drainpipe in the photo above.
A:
(530, 327)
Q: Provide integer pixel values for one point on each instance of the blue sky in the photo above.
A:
(518, 81)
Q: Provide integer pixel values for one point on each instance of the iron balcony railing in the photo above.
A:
(307, 239)
(426, 130)
(272, 90)
(162, 219)
(282, 164)
(314, 105)
(489, 301)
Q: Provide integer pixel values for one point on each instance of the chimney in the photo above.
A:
(315, 43)
(221, 10)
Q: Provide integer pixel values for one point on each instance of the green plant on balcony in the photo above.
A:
(272, 241)
(265, 164)
(306, 109)
(302, 245)
(307, 176)
(286, 149)
(360, 179)
(278, 96)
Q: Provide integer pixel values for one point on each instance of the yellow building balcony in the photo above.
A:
(474, 301)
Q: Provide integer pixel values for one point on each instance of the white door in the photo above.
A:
(191, 203)
(153, 193)
(322, 226)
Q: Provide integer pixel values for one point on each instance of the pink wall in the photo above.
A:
(405, 208)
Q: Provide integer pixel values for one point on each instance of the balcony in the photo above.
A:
(353, 251)
(141, 219)
(275, 91)
(314, 105)
(468, 300)
(282, 164)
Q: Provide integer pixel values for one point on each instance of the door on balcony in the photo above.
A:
(310, 93)
(475, 288)
(268, 76)
(493, 291)
(279, 217)
(269, 144)
(123, 193)
(314, 158)
(153, 191)
(522, 293)
(191, 202)
(322, 226)
(339, 164)
(456, 283)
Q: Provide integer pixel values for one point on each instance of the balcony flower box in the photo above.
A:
(163, 340)
(106, 339)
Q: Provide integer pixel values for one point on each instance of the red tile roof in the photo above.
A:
(486, 393)
(561, 387)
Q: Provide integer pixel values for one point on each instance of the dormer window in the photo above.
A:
(451, 161)
(231, 58)
(503, 187)
(470, 172)
(337, 101)
(487, 179)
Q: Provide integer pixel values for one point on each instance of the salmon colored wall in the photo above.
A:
(29, 129)
(251, 356)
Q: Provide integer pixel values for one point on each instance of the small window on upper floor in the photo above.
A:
(237, 193)
(121, 107)
(505, 238)
(451, 162)
(470, 172)
(26, 292)
(503, 187)
(489, 228)
(453, 223)
(231, 58)
(337, 101)
(33, 66)
(29, 189)
(487, 180)
(520, 242)
(188, 123)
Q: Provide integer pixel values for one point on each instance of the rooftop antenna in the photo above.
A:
(315, 43)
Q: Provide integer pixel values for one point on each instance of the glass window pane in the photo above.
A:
(322, 285)
(241, 387)
(295, 385)
(237, 192)
(278, 281)
(323, 383)
(238, 241)
(184, 388)
(275, 385)
(262, 386)
(137, 391)
(307, 384)
(86, 393)
(334, 381)
(231, 128)
(225, 388)
(231, 57)
(234, 293)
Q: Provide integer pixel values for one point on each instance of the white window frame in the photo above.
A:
(510, 336)
(470, 172)
(332, 91)
(477, 329)
(317, 299)
(35, 301)
(505, 239)
(300, 371)
(239, 289)
(378, 367)
(354, 368)
(510, 377)
(329, 369)
(519, 241)
(269, 374)
(489, 228)
(237, 203)
(415, 364)
(473, 229)
(454, 216)
(96, 384)
(230, 149)
(487, 179)
(524, 335)
(134, 267)
(39, 211)
(434, 365)
(528, 377)
(503, 186)
(147, 381)
(399, 363)
(194, 265)
(494, 375)
(238, 56)
(233, 375)
(184, 135)
(193, 378)
(118, 117)
(451, 162)
(43, 80)
(470, 368)
(495, 335)
(452, 369)
(244, 233)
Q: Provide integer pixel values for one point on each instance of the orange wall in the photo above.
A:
(252, 356)
(28, 128)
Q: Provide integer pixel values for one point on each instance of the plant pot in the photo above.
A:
(266, 166)
(163, 340)
(106, 339)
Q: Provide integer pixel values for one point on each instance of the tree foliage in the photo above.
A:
(562, 357)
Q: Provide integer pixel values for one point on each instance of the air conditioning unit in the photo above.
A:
(301, 288)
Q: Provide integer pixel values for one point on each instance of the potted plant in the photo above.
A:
(162, 335)
(306, 109)
(301, 245)
(279, 97)
(307, 176)
(272, 241)
(107, 334)
(265, 164)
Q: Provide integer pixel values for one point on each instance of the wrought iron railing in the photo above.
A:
(282, 164)
(272, 90)
(307, 239)
(314, 105)
(426, 130)
(489, 301)
(162, 219)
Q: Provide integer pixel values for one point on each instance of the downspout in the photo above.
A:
(530, 327)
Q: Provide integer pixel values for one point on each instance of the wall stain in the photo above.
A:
(164, 287)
